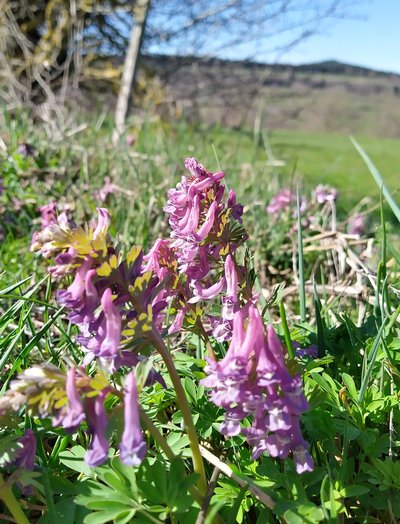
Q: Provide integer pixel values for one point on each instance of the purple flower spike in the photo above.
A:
(75, 412)
(201, 222)
(25, 457)
(132, 446)
(97, 421)
(252, 381)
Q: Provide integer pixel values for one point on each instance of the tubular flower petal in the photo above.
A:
(208, 223)
(75, 413)
(103, 222)
(25, 456)
(110, 344)
(73, 296)
(97, 421)
(132, 446)
(178, 322)
(207, 294)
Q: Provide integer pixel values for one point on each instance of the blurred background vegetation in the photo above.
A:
(119, 92)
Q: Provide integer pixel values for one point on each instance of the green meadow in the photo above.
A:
(284, 157)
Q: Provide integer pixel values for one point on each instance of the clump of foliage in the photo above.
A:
(156, 385)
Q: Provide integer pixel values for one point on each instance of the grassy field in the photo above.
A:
(332, 159)
(307, 158)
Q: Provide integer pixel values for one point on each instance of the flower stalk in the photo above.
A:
(7, 496)
(198, 464)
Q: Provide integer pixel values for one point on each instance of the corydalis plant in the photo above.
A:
(252, 380)
(118, 304)
(113, 300)
(69, 400)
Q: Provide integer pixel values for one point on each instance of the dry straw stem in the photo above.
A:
(349, 274)
(226, 470)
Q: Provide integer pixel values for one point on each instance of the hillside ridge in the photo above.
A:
(328, 96)
(329, 66)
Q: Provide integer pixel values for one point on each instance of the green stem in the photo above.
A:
(158, 437)
(185, 410)
(7, 496)
(210, 349)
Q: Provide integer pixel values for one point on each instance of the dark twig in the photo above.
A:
(207, 499)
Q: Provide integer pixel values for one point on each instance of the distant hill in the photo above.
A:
(340, 68)
(326, 96)
(325, 66)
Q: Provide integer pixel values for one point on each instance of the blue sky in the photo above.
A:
(371, 40)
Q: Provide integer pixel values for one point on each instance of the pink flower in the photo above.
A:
(48, 214)
(356, 224)
(285, 201)
(107, 189)
(324, 194)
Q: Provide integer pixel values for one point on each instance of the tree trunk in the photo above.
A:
(130, 67)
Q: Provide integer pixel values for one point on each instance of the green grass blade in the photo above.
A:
(286, 332)
(302, 288)
(374, 352)
(11, 341)
(35, 341)
(321, 328)
(394, 252)
(11, 313)
(378, 179)
(11, 288)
